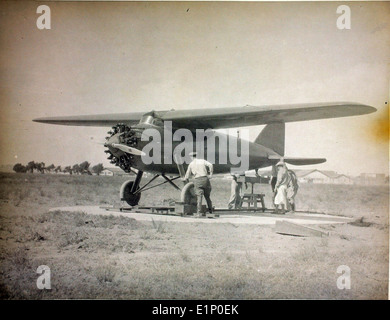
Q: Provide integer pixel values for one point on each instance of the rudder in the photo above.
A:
(272, 137)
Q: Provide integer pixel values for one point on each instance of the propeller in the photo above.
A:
(127, 149)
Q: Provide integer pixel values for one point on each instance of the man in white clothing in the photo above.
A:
(281, 187)
(198, 168)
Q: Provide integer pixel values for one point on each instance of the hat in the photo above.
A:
(280, 163)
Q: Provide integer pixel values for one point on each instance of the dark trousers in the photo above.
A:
(202, 187)
(273, 183)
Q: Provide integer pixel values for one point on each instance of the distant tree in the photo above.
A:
(40, 166)
(31, 166)
(98, 168)
(68, 169)
(76, 169)
(58, 169)
(50, 168)
(84, 167)
(19, 168)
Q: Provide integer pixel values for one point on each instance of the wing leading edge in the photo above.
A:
(99, 120)
(224, 117)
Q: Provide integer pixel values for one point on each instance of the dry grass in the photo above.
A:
(119, 257)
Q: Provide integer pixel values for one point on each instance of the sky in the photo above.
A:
(127, 56)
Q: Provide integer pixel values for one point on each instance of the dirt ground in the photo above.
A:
(121, 258)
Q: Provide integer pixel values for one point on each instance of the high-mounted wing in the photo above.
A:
(98, 120)
(251, 115)
(225, 117)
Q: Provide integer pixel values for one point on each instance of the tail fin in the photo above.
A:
(272, 137)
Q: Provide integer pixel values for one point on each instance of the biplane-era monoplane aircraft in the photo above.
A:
(129, 139)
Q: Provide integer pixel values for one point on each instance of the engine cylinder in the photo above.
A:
(122, 134)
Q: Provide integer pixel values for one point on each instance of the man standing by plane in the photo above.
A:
(281, 187)
(272, 181)
(198, 167)
(235, 196)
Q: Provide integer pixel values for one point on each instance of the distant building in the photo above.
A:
(329, 177)
(106, 172)
(322, 176)
(113, 172)
(372, 178)
(343, 179)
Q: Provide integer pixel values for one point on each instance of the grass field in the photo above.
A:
(121, 258)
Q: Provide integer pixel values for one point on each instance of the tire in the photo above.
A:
(188, 194)
(130, 198)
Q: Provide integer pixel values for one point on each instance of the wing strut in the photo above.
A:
(157, 185)
(170, 181)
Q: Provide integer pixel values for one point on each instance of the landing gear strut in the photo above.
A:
(131, 190)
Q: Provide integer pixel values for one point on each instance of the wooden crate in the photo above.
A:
(184, 209)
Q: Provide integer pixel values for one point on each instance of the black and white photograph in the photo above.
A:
(197, 151)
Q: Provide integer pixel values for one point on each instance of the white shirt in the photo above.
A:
(198, 167)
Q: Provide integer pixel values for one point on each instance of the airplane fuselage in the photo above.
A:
(164, 147)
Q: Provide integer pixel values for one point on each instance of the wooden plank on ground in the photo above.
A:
(286, 227)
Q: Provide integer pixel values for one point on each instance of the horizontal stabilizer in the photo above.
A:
(298, 161)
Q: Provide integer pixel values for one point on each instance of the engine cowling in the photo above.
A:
(124, 135)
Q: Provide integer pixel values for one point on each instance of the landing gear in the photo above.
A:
(188, 195)
(131, 190)
(130, 197)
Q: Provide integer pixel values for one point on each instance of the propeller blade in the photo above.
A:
(128, 149)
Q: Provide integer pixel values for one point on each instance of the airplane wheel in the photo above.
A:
(188, 195)
(127, 195)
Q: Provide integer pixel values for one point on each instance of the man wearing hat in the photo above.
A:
(281, 187)
(198, 168)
